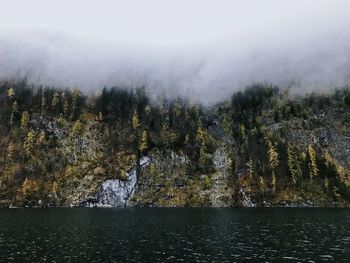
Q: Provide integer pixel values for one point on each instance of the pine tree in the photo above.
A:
(293, 165)
(312, 164)
(338, 167)
(55, 101)
(55, 188)
(261, 184)
(326, 183)
(43, 104)
(14, 111)
(41, 139)
(11, 150)
(244, 134)
(251, 168)
(11, 92)
(273, 158)
(168, 137)
(65, 104)
(25, 120)
(204, 158)
(29, 143)
(76, 96)
(144, 142)
(135, 122)
(177, 109)
(203, 138)
(77, 128)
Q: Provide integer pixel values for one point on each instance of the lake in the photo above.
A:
(175, 235)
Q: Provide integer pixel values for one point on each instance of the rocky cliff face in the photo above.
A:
(116, 192)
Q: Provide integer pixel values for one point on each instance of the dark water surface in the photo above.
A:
(175, 234)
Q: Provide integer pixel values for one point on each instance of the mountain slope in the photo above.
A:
(263, 147)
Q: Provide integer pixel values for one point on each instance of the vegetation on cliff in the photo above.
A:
(58, 145)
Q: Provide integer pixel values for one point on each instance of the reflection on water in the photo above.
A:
(175, 234)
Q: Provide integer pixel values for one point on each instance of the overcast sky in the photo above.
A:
(204, 48)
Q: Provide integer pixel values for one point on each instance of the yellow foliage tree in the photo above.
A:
(244, 134)
(273, 159)
(135, 122)
(55, 188)
(14, 110)
(144, 142)
(261, 184)
(251, 168)
(177, 109)
(29, 143)
(25, 120)
(11, 150)
(42, 138)
(343, 173)
(152, 169)
(202, 136)
(11, 92)
(312, 164)
(77, 128)
(168, 136)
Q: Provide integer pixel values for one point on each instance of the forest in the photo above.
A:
(59, 144)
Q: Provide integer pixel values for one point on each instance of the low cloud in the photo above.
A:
(299, 56)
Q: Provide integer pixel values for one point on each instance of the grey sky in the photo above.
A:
(206, 48)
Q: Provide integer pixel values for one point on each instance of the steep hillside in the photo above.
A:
(263, 147)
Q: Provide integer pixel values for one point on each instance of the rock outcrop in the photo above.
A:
(116, 192)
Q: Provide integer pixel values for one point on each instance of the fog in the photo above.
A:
(205, 50)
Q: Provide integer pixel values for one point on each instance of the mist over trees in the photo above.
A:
(51, 139)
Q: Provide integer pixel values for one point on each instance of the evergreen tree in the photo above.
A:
(11, 150)
(76, 103)
(42, 138)
(25, 120)
(43, 104)
(293, 165)
(65, 104)
(29, 143)
(312, 164)
(144, 142)
(11, 92)
(77, 128)
(273, 158)
(135, 122)
(261, 184)
(203, 139)
(14, 112)
(55, 101)
(251, 168)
